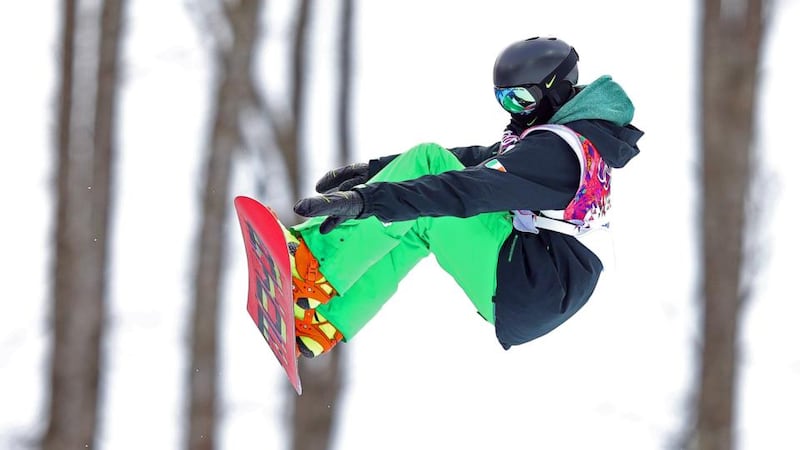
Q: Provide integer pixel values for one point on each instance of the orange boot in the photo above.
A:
(315, 335)
(309, 286)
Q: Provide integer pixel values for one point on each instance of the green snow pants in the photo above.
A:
(365, 260)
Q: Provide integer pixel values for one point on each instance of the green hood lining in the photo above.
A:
(602, 99)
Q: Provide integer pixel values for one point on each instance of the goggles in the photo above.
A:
(519, 99)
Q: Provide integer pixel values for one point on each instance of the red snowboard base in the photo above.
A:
(269, 296)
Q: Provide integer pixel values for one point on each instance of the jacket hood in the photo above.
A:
(602, 112)
(602, 99)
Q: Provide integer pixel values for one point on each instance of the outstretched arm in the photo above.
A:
(344, 178)
(540, 174)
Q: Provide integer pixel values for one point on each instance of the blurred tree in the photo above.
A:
(233, 57)
(731, 51)
(315, 412)
(271, 133)
(84, 161)
(345, 85)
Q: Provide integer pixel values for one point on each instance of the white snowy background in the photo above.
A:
(616, 376)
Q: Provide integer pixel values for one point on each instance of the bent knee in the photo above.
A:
(437, 158)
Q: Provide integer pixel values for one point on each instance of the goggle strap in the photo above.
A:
(557, 91)
(563, 69)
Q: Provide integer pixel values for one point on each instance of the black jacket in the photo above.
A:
(544, 278)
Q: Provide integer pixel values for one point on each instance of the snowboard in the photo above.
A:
(269, 296)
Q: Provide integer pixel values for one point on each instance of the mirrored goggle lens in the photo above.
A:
(515, 100)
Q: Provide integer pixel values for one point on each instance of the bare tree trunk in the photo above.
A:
(315, 412)
(732, 34)
(312, 417)
(345, 91)
(291, 147)
(84, 185)
(234, 67)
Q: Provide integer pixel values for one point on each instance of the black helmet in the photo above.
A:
(545, 68)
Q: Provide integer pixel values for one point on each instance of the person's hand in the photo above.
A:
(343, 178)
(338, 206)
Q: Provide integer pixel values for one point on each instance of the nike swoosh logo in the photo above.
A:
(550, 83)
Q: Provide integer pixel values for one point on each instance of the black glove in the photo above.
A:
(338, 206)
(343, 178)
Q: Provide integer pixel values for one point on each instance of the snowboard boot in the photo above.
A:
(309, 286)
(314, 334)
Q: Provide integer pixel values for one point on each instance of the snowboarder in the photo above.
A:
(509, 222)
